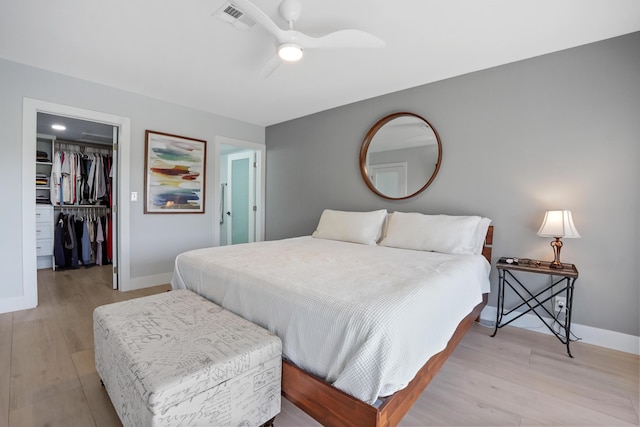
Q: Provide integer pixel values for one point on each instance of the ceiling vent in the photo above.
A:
(234, 16)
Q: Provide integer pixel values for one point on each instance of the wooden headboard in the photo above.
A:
(488, 244)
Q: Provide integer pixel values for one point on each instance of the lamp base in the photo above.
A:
(556, 245)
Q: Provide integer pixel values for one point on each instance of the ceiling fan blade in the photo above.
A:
(270, 66)
(260, 17)
(336, 40)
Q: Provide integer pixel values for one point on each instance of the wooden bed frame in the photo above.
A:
(332, 407)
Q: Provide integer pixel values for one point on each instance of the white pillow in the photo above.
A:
(356, 227)
(481, 234)
(460, 235)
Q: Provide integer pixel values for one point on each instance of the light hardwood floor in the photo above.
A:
(518, 378)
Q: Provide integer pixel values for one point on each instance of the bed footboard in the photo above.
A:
(332, 407)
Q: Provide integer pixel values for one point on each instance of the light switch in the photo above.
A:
(134, 196)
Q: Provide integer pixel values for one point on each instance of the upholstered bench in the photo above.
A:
(177, 359)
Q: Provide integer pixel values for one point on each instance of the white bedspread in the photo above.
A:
(364, 318)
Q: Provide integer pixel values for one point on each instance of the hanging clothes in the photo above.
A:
(65, 185)
(80, 185)
(55, 179)
(81, 240)
(58, 241)
(92, 238)
(86, 243)
(80, 179)
(99, 241)
(70, 243)
(78, 228)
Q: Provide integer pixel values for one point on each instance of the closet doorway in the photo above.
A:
(81, 175)
(120, 127)
(241, 196)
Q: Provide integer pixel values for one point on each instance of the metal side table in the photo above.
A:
(530, 301)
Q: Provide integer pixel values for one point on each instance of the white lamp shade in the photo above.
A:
(290, 52)
(558, 224)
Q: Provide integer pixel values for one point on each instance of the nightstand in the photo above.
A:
(562, 281)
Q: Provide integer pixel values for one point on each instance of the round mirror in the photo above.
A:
(400, 156)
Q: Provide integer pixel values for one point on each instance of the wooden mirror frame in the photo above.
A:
(365, 147)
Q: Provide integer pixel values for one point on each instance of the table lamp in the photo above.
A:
(558, 224)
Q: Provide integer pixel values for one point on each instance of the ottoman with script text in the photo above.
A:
(177, 359)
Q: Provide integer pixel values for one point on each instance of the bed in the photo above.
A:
(366, 308)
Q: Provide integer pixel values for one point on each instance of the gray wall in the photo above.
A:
(560, 131)
(155, 239)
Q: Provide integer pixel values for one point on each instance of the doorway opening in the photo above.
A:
(78, 176)
(241, 195)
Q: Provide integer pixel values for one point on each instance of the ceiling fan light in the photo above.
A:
(290, 52)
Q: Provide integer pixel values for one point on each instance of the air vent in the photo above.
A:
(231, 10)
(234, 16)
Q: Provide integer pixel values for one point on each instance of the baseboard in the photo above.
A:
(9, 305)
(148, 281)
(588, 334)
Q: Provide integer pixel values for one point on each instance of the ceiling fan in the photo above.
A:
(291, 43)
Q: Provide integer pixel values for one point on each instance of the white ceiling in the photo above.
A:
(176, 51)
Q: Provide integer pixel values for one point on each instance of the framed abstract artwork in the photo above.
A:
(174, 173)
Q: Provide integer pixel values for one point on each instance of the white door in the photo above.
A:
(229, 155)
(114, 208)
(390, 178)
(241, 197)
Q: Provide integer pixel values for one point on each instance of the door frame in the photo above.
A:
(30, 109)
(260, 175)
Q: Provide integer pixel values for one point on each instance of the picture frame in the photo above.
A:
(175, 172)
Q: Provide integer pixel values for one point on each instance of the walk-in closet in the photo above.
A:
(75, 190)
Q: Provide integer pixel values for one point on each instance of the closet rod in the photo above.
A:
(81, 206)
